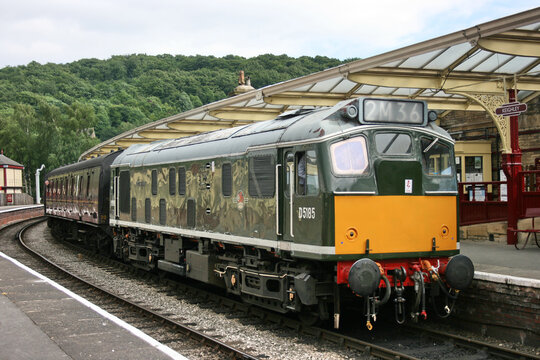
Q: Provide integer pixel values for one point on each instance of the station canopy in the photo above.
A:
(470, 69)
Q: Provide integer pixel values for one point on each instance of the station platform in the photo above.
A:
(42, 320)
(11, 208)
(505, 260)
(12, 213)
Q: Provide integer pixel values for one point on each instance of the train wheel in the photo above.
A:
(310, 316)
(105, 245)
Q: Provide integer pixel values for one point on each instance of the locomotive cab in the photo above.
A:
(395, 208)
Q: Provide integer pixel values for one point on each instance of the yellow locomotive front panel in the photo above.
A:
(395, 224)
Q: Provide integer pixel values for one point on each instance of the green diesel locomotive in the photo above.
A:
(295, 213)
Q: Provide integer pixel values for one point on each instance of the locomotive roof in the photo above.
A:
(295, 126)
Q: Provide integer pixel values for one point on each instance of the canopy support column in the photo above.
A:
(512, 166)
(511, 153)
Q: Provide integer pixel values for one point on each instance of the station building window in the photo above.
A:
(473, 160)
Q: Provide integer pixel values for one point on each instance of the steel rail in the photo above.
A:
(462, 341)
(367, 348)
(320, 333)
(191, 333)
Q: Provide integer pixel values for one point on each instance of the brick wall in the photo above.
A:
(501, 310)
(7, 217)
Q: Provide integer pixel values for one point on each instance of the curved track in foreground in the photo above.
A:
(166, 330)
(434, 344)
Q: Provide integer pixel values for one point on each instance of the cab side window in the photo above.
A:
(307, 174)
(436, 157)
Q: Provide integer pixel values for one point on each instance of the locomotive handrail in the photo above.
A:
(291, 196)
(277, 199)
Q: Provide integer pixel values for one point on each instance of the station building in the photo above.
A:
(478, 143)
(11, 181)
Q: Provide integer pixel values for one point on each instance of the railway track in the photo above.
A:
(415, 343)
(176, 335)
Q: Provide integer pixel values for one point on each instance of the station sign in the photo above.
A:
(511, 109)
(9, 198)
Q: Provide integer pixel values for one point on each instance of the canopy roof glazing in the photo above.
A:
(449, 73)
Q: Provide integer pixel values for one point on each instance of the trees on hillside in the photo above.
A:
(49, 113)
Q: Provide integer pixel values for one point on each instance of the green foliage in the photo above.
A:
(49, 113)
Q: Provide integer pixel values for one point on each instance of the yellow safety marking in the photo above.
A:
(394, 224)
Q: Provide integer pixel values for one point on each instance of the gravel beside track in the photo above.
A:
(263, 341)
(249, 331)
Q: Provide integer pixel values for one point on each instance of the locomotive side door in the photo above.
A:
(116, 195)
(286, 195)
(300, 203)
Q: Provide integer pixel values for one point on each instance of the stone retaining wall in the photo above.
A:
(507, 308)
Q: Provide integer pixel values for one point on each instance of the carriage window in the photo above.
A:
(436, 157)
(182, 181)
(226, 179)
(154, 182)
(79, 187)
(349, 157)
(261, 176)
(393, 143)
(88, 186)
(172, 181)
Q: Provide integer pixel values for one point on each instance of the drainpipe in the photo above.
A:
(38, 197)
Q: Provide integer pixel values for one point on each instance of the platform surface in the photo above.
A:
(10, 208)
(40, 321)
(500, 258)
